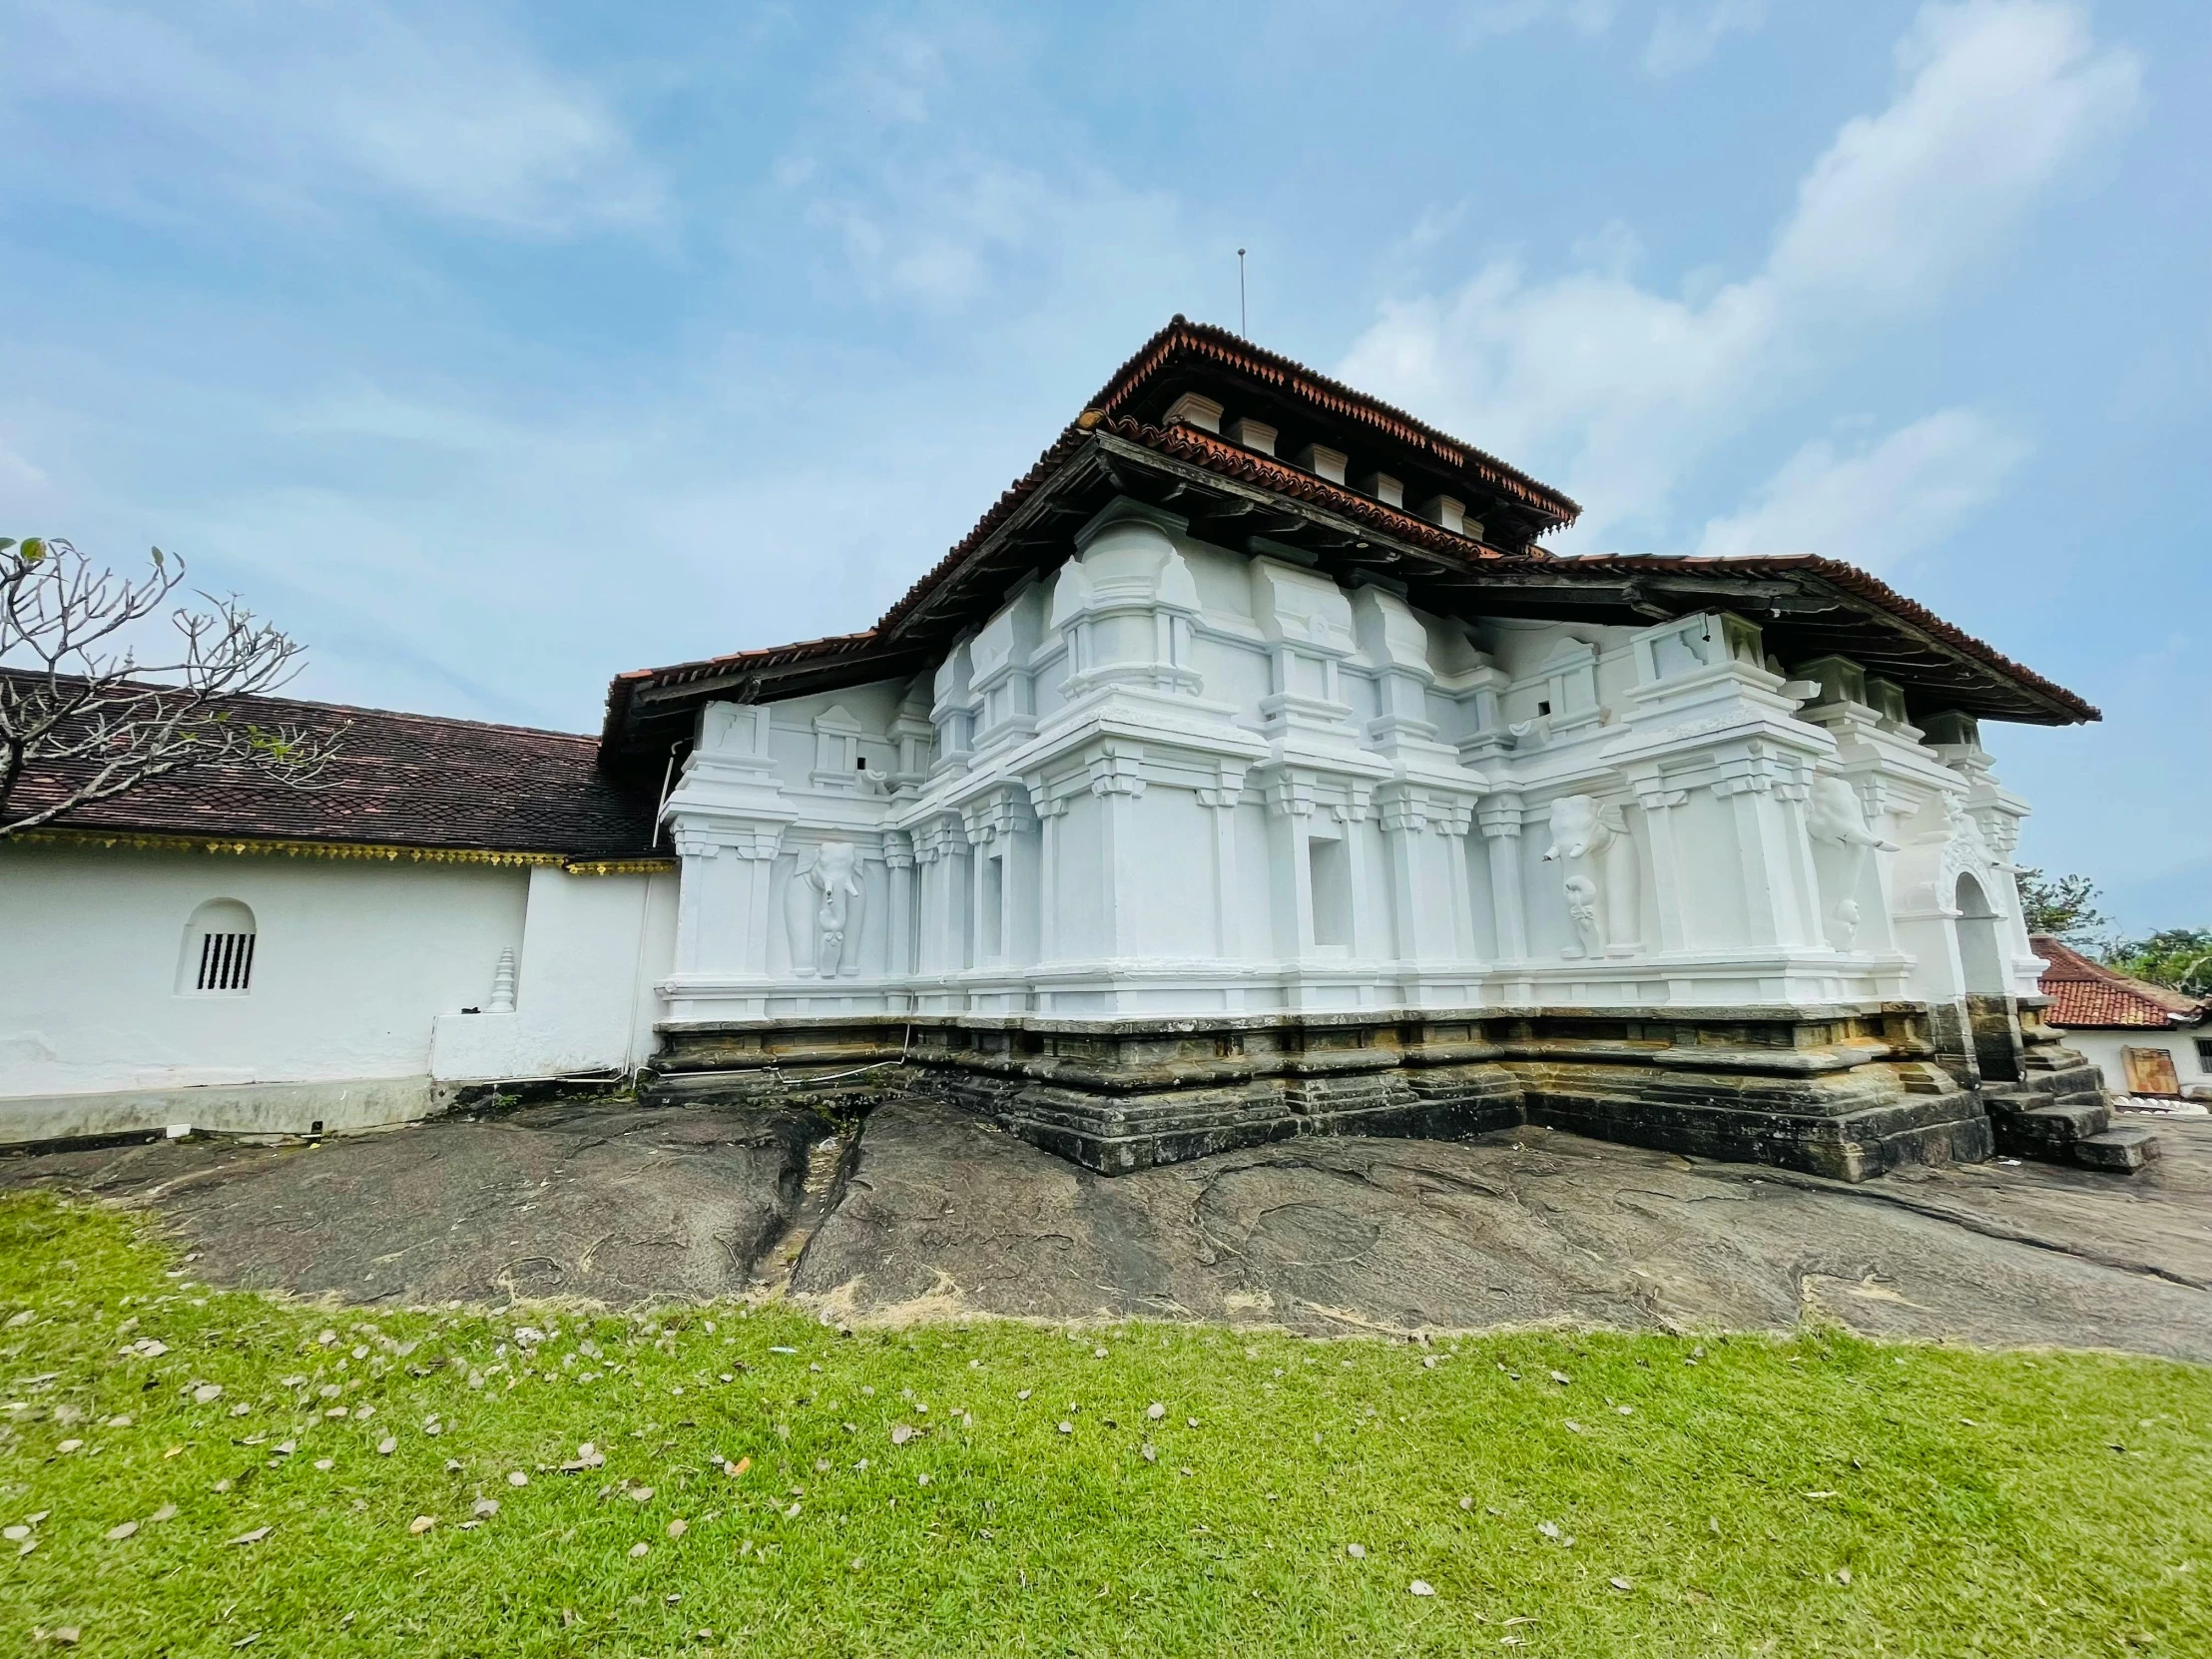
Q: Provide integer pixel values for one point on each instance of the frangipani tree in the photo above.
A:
(80, 711)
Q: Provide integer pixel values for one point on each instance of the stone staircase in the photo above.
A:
(2056, 1112)
(2074, 1129)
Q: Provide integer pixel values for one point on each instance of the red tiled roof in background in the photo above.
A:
(2088, 995)
(399, 779)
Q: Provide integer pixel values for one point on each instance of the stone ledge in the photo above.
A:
(225, 1108)
(1830, 1091)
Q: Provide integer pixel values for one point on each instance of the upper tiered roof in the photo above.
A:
(1248, 445)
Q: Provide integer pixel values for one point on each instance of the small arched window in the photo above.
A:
(217, 956)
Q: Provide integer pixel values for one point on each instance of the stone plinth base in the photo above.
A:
(1842, 1091)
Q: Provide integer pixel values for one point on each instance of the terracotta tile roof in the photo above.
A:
(1183, 339)
(1920, 644)
(1217, 456)
(399, 779)
(1851, 579)
(1181, 442)
(772, 656)
(1179, 339)
(2089, 994)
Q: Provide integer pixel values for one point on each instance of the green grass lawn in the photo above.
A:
(759, 1494)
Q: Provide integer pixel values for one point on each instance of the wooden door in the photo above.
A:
(2150, 1071)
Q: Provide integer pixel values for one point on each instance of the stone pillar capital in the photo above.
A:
(1499, 817)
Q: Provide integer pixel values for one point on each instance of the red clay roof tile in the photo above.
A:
(399, 779)
(2088, 995)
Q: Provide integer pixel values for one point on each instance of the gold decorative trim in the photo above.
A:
(620, 866)
(264, 847)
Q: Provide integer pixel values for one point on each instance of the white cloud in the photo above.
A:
(1878, 505)
(1616, 390)
(932, 206)
(1491, 19)
(288, 103)
(1682, 40)
(18, 477)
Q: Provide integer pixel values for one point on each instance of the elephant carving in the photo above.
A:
(1598, 879)
(1840, 844)
(823, 910)
(1834, 816)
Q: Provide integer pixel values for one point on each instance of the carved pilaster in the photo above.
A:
(1051, 812)
(1499, 818)
(1220, 800)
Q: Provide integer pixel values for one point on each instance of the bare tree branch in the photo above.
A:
(73, 707)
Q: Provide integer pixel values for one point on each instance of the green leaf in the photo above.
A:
(34, 549)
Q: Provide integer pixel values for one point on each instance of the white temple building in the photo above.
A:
(1249, 770)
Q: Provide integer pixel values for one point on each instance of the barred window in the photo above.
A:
(217, 957)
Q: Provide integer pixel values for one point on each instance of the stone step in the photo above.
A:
(2048, 1130)
(2126, 1149)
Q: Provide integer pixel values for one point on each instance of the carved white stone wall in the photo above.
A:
(1171, 775)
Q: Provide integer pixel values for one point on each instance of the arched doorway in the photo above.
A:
(1988, 997)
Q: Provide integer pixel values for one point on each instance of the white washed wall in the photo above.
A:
(1173, 778)
(592, 949)
(2103, 1049)
(355, 964)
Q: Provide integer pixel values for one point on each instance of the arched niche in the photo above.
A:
(215, 957)
(1980, 949)
(1990, 1008)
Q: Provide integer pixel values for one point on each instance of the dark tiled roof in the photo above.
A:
(1852, 580)
(399, 779)
(1900, 637)
(1181, 339)
(2090, 995)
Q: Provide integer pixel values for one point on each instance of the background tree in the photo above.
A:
(2065, 906)
(87, 719)
(2177, 958)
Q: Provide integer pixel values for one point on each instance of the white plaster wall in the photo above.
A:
(2103, 1048)
(1103, 719)
(352, 962)
(593, 949)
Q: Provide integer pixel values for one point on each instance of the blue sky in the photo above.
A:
(492, 348)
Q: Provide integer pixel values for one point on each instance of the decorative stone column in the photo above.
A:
(1427, 933)
(898, 871)
(1296, 796)
(1000, 828)
(1117, 780)
(1451, 820)
(727, 817)
(1499, 817)
(1051, 812)
(1220, 800)
(937, 842)
(1766, 792)
(1658, 802)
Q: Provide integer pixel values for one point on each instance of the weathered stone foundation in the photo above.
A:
(1845, 1091)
